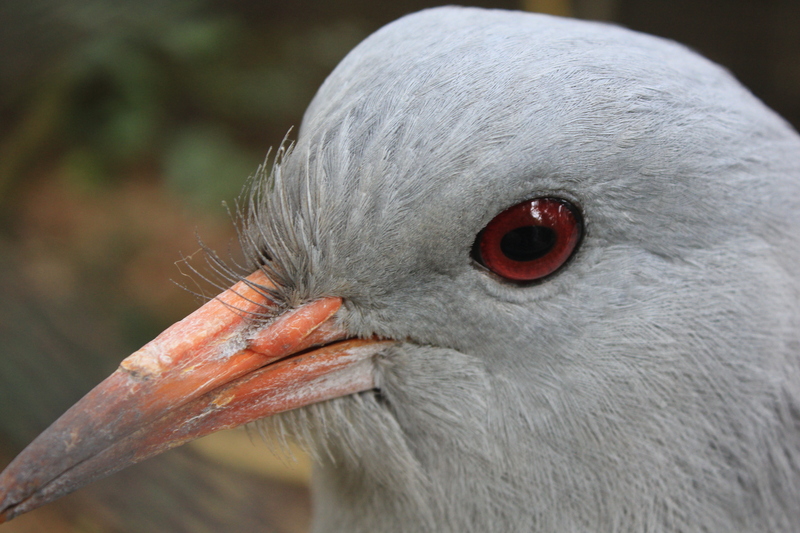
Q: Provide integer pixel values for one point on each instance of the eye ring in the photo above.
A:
(531, 240)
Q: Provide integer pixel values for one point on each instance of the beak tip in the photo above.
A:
(6, 503)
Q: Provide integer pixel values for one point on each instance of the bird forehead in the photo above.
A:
(457, 94)
(460, 66)
(471, 111)
(441, 120)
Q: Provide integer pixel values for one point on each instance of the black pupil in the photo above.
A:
(527, 243)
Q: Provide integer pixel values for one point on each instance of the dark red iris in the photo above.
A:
(530, 240)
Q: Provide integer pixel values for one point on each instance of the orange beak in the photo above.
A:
(231, 362)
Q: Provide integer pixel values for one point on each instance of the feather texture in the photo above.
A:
(651, 385)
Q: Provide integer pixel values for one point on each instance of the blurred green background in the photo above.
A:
(124, 125)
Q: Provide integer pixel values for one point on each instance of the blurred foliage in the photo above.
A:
(195, 95)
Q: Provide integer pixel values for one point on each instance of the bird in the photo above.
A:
(517, 273)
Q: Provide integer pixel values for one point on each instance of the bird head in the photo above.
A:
(517, 273)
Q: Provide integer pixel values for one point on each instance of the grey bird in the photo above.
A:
(518, 273)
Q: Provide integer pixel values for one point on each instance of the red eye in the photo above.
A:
(530, 240)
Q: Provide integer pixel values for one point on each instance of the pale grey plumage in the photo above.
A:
(651, 385)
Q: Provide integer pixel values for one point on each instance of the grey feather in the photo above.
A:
(653, 384)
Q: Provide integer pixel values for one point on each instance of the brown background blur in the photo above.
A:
(124, 124)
